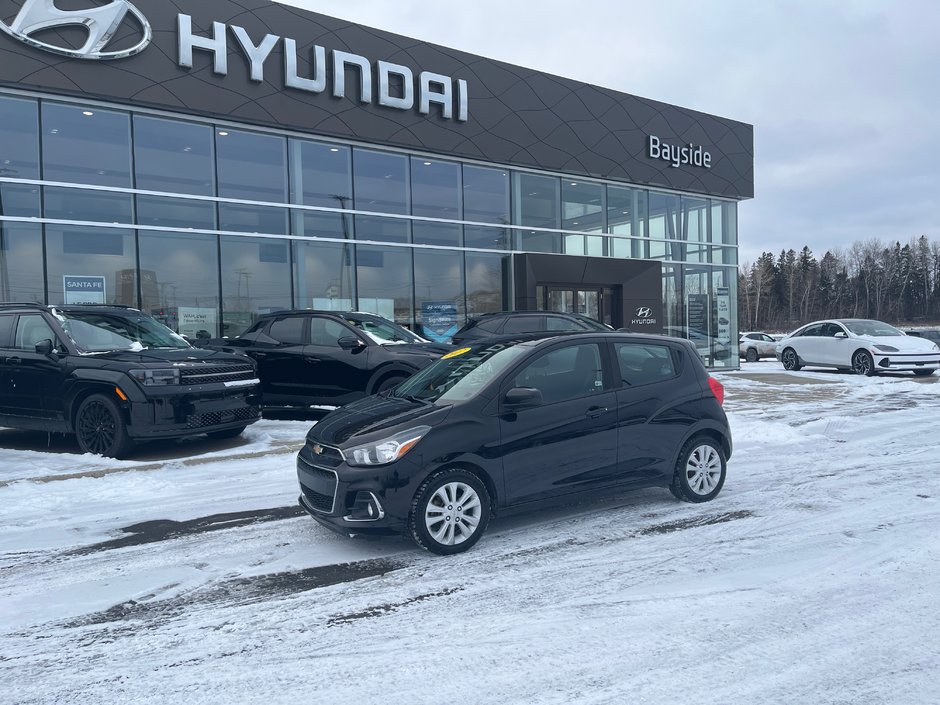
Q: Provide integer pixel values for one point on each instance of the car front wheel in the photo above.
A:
(100, 429)
(700, 471)
(751, 355)
(791, 361)
(450, 512)
(862, 363)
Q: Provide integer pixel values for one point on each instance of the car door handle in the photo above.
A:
(259, 354)
(596, 411)
(13, 360)
(311, 360)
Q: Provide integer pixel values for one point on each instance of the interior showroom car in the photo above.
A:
(516, 423)
(329, 358)
(863, 346)
(753, 346)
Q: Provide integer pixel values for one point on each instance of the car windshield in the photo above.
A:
(385, 332)
(460, 375)
(105, 332)
(874, 329)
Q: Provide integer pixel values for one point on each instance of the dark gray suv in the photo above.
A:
(114, 376)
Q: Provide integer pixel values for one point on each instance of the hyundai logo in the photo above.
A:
(644, 312)
(102, 24)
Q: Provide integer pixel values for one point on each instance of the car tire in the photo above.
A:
(863, 364)
(923, 373)
(449, 512)
(389, 383)
(227, 433)
(751, 355)
(100, 428)
(700, 470)
(791, 361)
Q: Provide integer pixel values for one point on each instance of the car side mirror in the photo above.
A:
(523, 398)
(841, 335)
(350, 342)
(45, 347)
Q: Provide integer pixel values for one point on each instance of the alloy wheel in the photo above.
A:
(703, 470)
(862, 363)
(97, 428)
(790, 360)
(453, 513)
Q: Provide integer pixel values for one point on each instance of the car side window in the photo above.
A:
(559, 323)
(524, 324)
(831, 329)
(812, 331)
(567, 373)
(325, 331)
(767, 339)
(490, 325)
(642, 363)
(289, 331)
(30, 330)
(6, 330)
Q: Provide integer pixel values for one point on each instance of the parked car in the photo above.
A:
(866, 347)
(515, 423)
(114, 376)
(753, 346)
(487, 325)
(329, 358)
(929, 333)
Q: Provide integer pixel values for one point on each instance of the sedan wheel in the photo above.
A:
(751, 355)
(700, 471)
(791, 361)
(862, 364)
(450, 512)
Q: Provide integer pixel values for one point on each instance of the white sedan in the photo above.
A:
(753, 346)
(863, 346)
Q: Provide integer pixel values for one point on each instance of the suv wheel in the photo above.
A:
(751, 355)
(389, 383)
(700, 471)
(100, 428)
(450, 512)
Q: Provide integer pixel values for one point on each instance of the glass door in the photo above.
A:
(595, 302)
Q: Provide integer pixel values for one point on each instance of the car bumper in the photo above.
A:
(907, 363)
(172, 413)
(353, 501)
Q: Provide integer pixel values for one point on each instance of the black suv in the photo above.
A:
(510, 424)
(113, 375)
(329, 358)
(488, 325)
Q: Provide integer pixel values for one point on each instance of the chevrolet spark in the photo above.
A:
(517, 423)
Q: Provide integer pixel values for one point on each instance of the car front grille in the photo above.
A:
(215, 418)
(216, 374)
(321, 501)
(327, 456)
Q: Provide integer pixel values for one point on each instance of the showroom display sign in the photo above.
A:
(84, 289)
(439, 320)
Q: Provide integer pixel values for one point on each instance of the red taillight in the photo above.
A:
(717, 389)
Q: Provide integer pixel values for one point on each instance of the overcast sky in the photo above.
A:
(844, 95)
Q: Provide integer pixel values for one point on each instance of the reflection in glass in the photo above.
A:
(21, 275)
(321, 176)
(251, 166)
(370, 227)
(439, 297)
(435, 188)
(487, 238)
(385, 282)
(485, 195)
(86, 145)
(663, 215)
(725, 222)
(324, 276)
(96, 206)
(173, 156)
(381, 181)
(486, 277)
(19, 156)
(256, 279)
(105, 253)
(536, 200)
(175, 213)
(323, 224)
(582, 206)
(237, 218)
(428, 233)
(179, 281)
(627, 210)
(694, 219)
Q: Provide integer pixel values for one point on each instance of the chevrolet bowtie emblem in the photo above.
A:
(318, 449)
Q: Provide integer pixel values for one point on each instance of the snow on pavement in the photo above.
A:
(811, 579)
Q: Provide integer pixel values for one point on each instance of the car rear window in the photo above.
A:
(643, 363)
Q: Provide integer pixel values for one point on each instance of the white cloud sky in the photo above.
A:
(844, 96)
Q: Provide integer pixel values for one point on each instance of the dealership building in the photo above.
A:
(212, 161)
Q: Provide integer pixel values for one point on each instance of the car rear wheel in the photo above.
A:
(700, 471)
(791, 361)
(450, 512)
(751, 355)
(227, 433)
(100, 429)
(862, 363)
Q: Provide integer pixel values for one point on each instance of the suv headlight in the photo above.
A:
(387, 450)
(156, 378)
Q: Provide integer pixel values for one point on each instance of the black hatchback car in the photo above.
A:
(329, 358)
(113, 376)
(517, 423)
(488, 325)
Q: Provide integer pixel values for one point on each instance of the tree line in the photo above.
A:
(891, 282)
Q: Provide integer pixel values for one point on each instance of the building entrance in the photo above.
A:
(596, 302)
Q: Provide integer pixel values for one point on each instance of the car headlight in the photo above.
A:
(886, 348)
(156, 378)
(387, 450)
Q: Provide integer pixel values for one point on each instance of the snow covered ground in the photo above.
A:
(189, 576)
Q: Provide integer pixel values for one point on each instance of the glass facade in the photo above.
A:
(207, 226)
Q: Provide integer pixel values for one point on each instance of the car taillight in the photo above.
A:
(717, 389)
